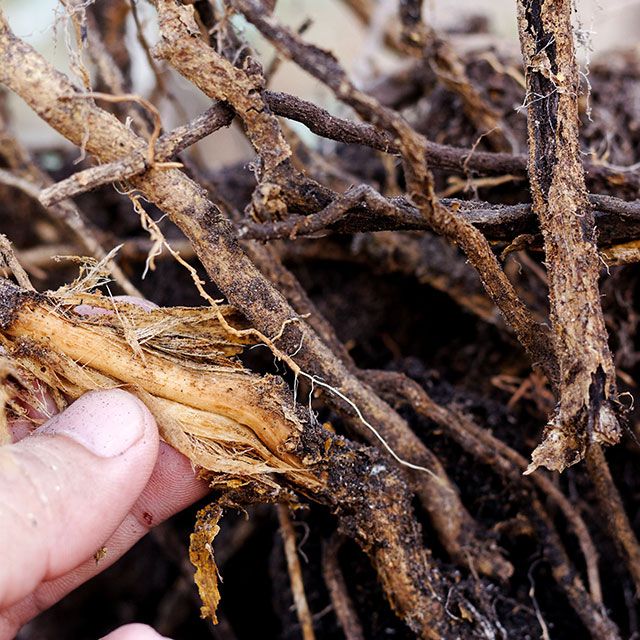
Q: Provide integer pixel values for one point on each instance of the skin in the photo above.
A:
(63, 496)
(95, 476)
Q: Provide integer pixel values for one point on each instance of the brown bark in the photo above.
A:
(586, 411)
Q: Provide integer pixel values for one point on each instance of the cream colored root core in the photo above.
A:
(233, 423)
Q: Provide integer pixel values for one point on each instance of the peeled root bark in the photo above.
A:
(587, 383)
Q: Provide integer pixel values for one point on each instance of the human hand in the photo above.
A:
(93, 477)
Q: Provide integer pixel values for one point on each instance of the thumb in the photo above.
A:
(65, 489)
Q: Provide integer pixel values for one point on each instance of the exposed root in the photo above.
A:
(586, 412)
(295, 573)
(340, 598)
(487, 448)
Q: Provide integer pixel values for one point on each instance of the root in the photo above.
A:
(295, 573)
(587, 387)
(340, 598)
(490, 450)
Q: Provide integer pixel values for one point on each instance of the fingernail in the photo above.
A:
(107, 423)
(145, 305)
(90, 310)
